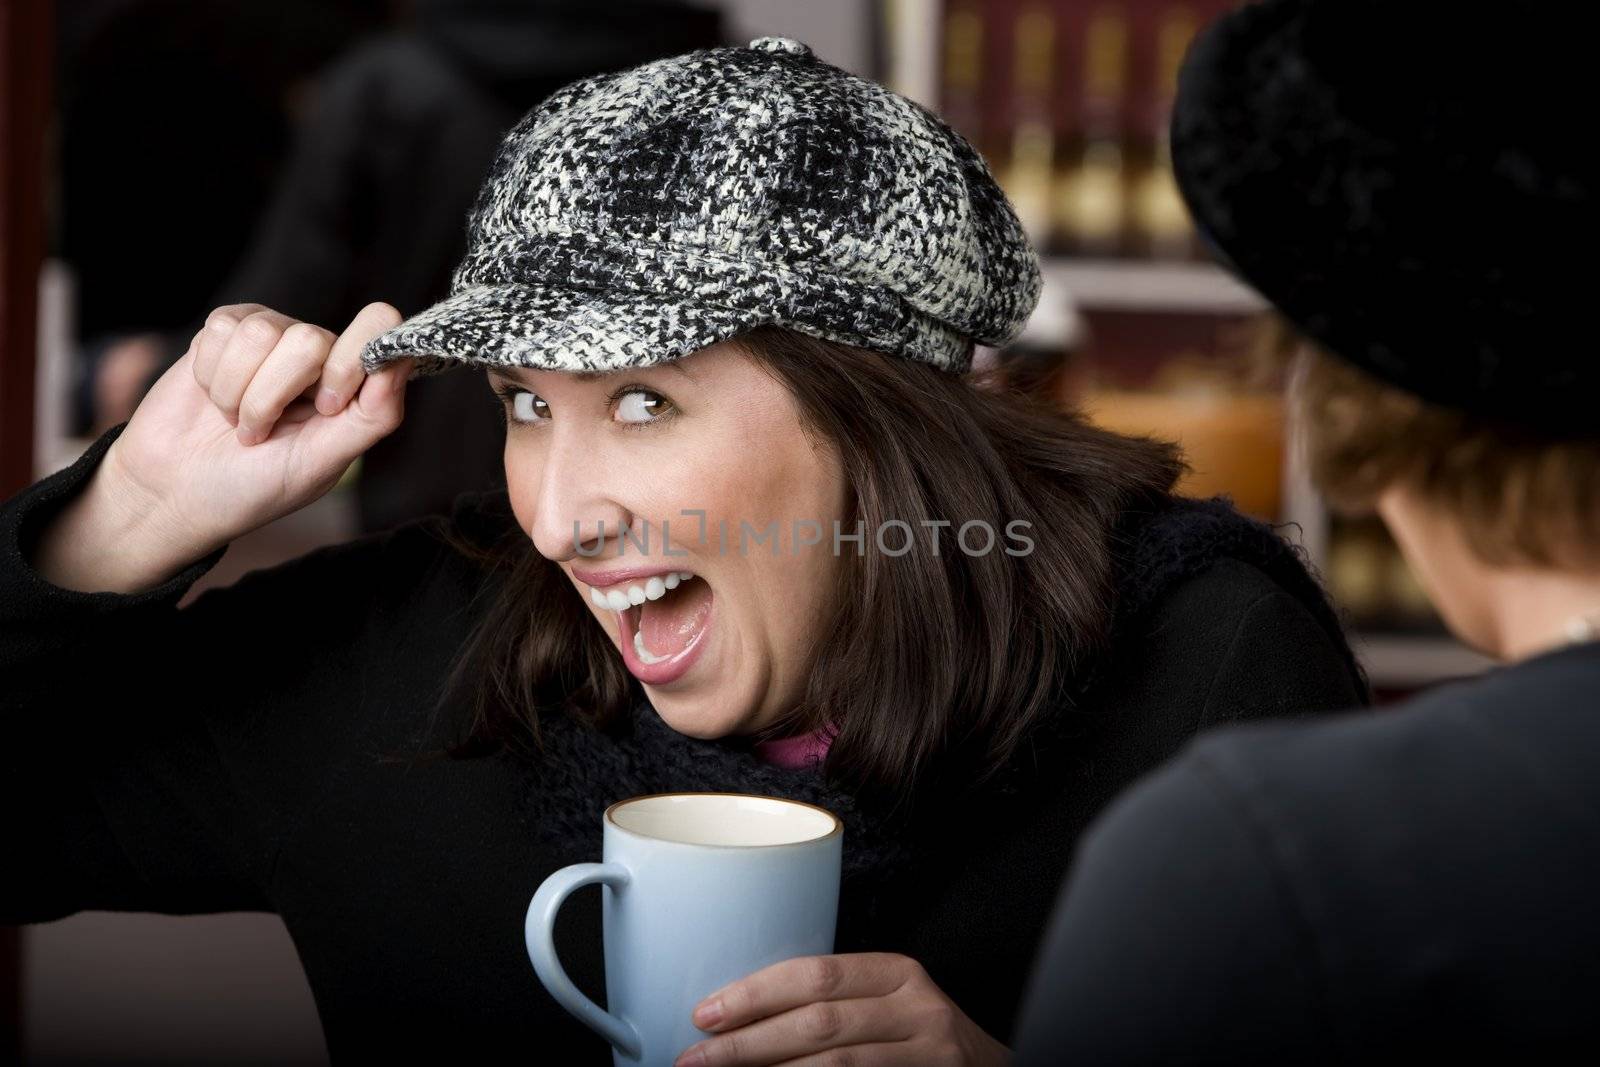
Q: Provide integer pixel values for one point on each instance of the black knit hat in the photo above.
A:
(632, 218)
(1410, 184)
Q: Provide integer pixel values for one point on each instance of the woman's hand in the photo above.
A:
(261, 416)
(858, 1009)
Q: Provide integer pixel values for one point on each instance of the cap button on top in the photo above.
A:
(787, 45)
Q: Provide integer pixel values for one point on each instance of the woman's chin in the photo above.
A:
(690, 703)
(691, 718)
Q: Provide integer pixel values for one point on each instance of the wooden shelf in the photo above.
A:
(1395, 661)
(1137, 286)
(1072, 286)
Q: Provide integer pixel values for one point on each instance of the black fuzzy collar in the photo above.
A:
(584, 770)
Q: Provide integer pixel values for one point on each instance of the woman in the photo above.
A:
(735, 290)
(1417, 885)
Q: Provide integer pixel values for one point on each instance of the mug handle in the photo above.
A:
(539, 931)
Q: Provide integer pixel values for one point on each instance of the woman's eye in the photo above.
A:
(523, 406)
(528, 407)
(641, 406)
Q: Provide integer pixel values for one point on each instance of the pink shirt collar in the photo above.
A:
(802, 750)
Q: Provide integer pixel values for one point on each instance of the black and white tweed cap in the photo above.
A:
(634, 217)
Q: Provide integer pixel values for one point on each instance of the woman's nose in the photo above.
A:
(575, 510)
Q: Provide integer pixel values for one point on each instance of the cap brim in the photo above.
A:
(554, 328)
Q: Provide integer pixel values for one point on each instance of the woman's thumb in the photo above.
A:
(379, 406)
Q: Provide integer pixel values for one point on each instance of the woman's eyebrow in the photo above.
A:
(506, 374)
(596, 375)
(503, 374)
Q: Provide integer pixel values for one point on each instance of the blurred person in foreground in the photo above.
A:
(1419, 883)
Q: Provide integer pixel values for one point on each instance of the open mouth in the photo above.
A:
(662, 622)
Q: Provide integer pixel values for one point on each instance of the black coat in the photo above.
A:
(226, 757)
(1415, 886)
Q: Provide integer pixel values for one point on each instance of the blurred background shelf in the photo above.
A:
(1125, 285)
(1405, 662)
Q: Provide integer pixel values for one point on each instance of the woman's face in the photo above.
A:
(679, 455)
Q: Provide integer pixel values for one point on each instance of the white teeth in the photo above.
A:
(621, 598)
(645, 655)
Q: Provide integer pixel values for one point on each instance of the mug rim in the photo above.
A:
(838, 823)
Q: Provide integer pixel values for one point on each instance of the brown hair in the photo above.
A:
(1519, 496)
(934, 666)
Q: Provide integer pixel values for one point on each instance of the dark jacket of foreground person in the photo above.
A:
(1417, 884)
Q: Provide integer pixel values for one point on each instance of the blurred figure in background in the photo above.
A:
(174, 119)
(373, 202)
(1417, 885)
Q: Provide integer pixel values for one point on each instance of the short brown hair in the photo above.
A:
(1519, 496)
(935, 666)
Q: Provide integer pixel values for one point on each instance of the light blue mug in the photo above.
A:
(701, 889)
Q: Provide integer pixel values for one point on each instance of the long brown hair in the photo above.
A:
(933, 666)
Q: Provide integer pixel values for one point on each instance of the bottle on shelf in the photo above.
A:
(961, 72)
(1358, 572)
(1369, 576)
(1160, 224)
(1091, 199)
(1028, 170)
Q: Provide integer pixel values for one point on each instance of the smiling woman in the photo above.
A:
(764, 531)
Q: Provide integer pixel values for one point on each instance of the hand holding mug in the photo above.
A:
(862, 1008)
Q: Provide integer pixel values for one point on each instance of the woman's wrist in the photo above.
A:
(110, 538)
